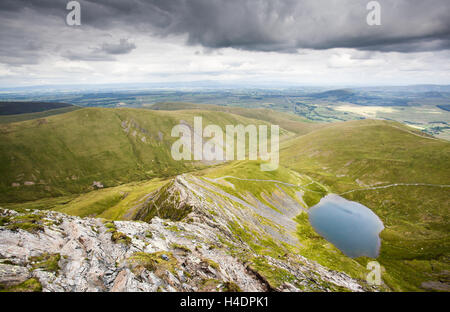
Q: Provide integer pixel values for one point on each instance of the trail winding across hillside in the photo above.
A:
(271, 181)
(394, 185)
(347, 192)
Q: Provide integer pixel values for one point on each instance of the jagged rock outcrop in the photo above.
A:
(217, 246)
(172, 201)
(161, 256)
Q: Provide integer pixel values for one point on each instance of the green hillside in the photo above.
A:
(290, 122)
(66, 153)
(372, 151)
(361, 160)
(400, 173)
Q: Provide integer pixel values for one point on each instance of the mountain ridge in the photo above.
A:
(390, 168)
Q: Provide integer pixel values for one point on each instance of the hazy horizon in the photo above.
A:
(305, 43)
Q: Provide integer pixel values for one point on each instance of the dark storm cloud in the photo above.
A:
(260, 25)
(267, 25)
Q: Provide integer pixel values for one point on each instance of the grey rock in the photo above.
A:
(91, 261)
(13, 274)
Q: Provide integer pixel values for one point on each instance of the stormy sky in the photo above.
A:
(313, 42)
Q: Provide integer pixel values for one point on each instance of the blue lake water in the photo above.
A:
(348, 225)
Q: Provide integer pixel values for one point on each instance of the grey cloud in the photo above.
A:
(283, 25)
(87, 56)
(20, 50)
(407, 26)
(123, 47)
(105, 52)
(258, 25)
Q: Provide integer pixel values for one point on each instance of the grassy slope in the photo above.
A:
(65, 153)
(287, 121)
(415, 243)
(114, 203)
(372, 151)
(312, 246)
